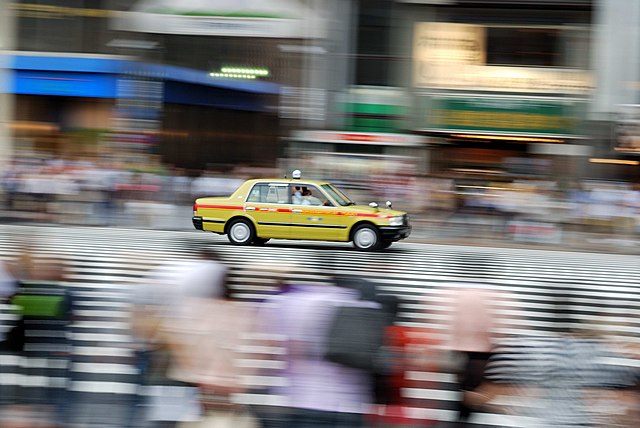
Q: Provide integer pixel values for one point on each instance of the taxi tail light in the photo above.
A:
(195, 209)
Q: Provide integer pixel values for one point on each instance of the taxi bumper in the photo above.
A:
(197, 222)
(395, 233)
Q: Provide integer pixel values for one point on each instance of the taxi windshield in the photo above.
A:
(337, 195)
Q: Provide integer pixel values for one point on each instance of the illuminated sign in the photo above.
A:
(453, 56)
(502, 78)
(240, 73)
(448, 43)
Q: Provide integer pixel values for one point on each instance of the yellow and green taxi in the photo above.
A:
(296, 208)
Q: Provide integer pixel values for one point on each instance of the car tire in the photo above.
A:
(260, 241)
(241, 232)
(366, 238)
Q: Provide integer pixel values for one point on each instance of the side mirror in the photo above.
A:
(373, 205)
(388, 204)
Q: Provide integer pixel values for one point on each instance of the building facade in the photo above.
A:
(196, 86)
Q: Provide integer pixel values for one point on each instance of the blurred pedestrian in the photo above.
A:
(160, 301)
(45, 305)
(10, 185)
(569, 377)
(208, 336)
(471, 339)
(318, 392)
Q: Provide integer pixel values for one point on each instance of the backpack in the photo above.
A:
(356, 337)
(35, 302)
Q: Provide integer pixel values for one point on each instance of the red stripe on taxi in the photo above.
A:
(275, 210)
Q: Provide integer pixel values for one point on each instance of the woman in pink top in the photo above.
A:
(471, 337)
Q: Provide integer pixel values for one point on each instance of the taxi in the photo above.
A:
(296, 208)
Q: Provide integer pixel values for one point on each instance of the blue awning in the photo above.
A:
(118, 65)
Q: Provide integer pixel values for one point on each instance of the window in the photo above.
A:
(524, 46)
(373, 46)
(340, 197)
(269, 194)
(309, 195)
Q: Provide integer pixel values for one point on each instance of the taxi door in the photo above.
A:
(317, 217)
(269, 206)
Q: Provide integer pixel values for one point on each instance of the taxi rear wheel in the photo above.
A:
(241, 232)
(366, 238)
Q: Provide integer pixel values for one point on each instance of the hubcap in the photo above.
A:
(365, 238)
(240, 232)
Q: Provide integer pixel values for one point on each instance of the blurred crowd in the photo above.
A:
(535, 209)
(283, 351)
(101, 192)
(95, 191)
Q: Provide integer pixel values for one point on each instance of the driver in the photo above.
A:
(309, 199)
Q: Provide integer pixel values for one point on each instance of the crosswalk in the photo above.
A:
(105, 266)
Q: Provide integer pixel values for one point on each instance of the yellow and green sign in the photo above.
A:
(505, 115)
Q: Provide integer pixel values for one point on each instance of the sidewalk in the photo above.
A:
(431, 231)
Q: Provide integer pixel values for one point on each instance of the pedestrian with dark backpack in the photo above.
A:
(318, 392)
(44, 306)
(356, 336)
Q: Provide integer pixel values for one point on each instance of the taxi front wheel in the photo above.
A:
(241, 232)
(366, 238)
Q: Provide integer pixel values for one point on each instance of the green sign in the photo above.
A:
(375, 117)
(505, 116)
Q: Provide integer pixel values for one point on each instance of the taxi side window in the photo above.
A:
(270, 194)
(309, 195)
(256, 193)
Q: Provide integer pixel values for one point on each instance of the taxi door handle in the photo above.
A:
(296, 211)
(251, 208)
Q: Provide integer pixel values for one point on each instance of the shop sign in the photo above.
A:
(504, 116)
(442, 42)
(380, 138)
(502, 78)
(283, 19)
(36, 82)
(453, 56)
(373, 109)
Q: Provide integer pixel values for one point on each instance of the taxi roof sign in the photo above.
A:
(296, 174)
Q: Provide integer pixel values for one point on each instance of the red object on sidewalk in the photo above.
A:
(415, 350)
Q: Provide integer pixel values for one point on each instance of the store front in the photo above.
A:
(502, 95)
(502, 136)
(87, 106)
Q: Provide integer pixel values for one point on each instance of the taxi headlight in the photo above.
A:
(395, 221)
